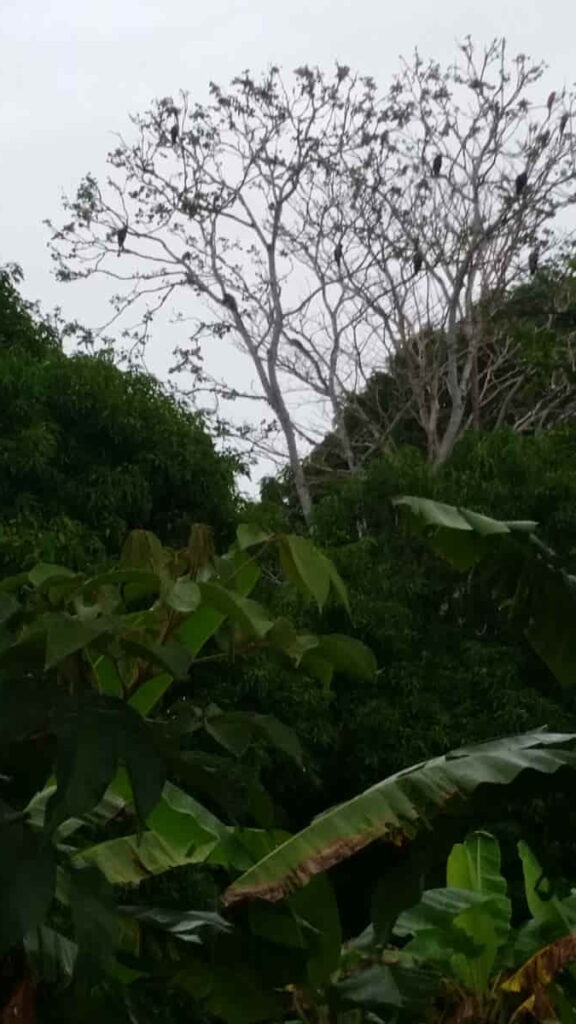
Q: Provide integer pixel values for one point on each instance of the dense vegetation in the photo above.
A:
(89, 452)
(210, 706)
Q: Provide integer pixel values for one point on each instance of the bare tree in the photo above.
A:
(453, 205)
(335, 235)
(207, 200)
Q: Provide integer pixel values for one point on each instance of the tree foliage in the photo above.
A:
(106, 754)
(89, 452)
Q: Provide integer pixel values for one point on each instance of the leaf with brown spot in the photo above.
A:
(541, 969)
(397, 808)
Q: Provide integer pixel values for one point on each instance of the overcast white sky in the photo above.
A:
(72, 70)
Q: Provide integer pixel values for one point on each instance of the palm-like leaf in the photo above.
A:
(394, 810)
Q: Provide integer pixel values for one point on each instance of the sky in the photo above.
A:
(71, 71)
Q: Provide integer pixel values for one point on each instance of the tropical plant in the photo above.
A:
(458, 955)
(102, 747)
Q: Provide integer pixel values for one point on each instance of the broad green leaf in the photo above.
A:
(181, 832)
(558, 915)
(183, 595)
(85, 764)
(396, 809)
(305, 566)
(234, 993)
(65, 635)
(143, 578)
(475, 865)
(108, 679)
(187, 926)
(284, 637)
(372, 988)
(94, 916)
(171, 656)
(44, 572)
(248, 535)
(248, 614)
(347, 655)
(27, 881)
(438, 909)
(338, 584)
(51, 955)
(90, 745)
(321, 668)
(143, 550)
(236, 730)
(11, 583)
(197, 629)
(146, 697)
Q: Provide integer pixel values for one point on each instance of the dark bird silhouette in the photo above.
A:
(563, 122)
(550, 101)
(544, 138)
(533, 262)
(230, 302)
(338, 254)
(417, 260)
(121, 237)
(437, 165)
(521, 182)
(174, 134)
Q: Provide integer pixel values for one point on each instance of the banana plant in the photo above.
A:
(103, 783)
(485, 969)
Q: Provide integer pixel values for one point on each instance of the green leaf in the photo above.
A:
(236, 730)
(372, 988)
(396, 809)
(560, 914)
(51, 955)
(85, 764)
(27, 881)
(44, 572)
(146, 697)
(143, 550)
(94, 917)
(294, 645)
(183, 595)
(347, 655)
(197, 629)
(65, 635)
(249, 535)
(187, 926)
(148, 581)
(108, 679)
(320, 668)
(171, 656)
(475, 865)
(247, 614)
(305, 566)
(234, 993)
(338, 584)
(90, 744)
(461, 536)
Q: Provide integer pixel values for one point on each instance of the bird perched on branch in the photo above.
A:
(533, 262)
(417, 260)
(338, 255)
(521, 182)
(437, 165)
(563, 122)
(174, 134)
(121, 237)
(550, 101)
(230, 302)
